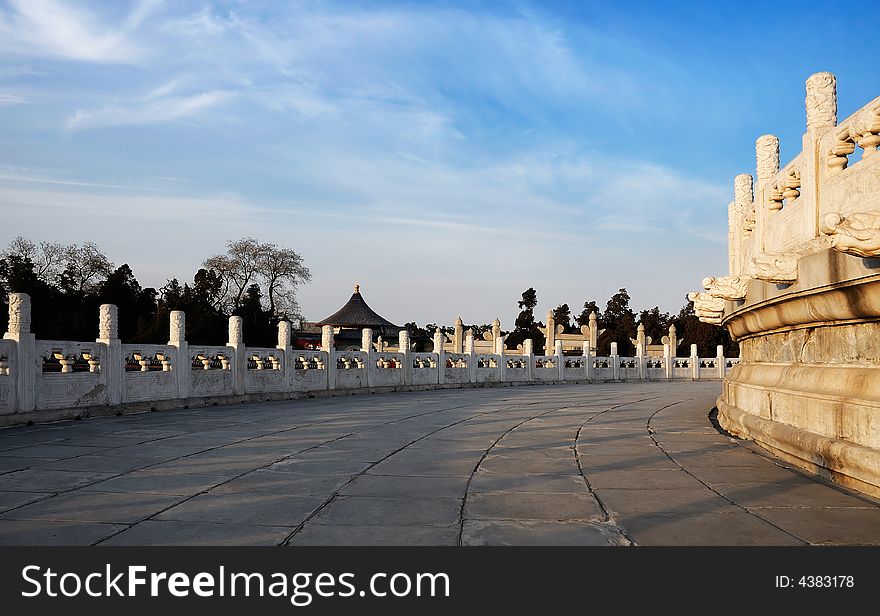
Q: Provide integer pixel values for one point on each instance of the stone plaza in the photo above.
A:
(575, 464)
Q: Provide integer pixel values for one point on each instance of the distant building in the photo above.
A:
(353, 317)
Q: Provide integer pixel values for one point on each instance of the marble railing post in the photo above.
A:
(529, 354)
(641, 350)
(588, 361)
(767, 165)
(560, 359)
(695, 362)
(615, 362)
(328, 347)
(720, 361)
(458, 336)
(470, 351)
(502, 363)
(667, 361)
(238, 362)
(403, 348)
(821, 107)
(23, 369)
(367, 347)
(112, 364)
(441, 357)
(286, 350)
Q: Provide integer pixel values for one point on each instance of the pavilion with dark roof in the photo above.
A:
(355, 315)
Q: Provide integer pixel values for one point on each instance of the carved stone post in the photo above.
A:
(328, 347)
(821, 106)
(767, 159)
(471, 352)
(529, 354)
(560, 359)
(720, 360)
(641, 350)
(743, 219)
(594, 332)
(239, 362)
(458, 337)
(695, 362)
(403, 348)
(588, 361)
(667, 361)
(110, 357)
(286, 352)
(673, 341)
(441, 357)
(615, 362)
(550, 334)
(502, 362)
(23, 370)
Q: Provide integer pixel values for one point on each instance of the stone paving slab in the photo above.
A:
(533, 532)
(13, 532)
(172, 532)
(602, 464)
(85, 506)
(336, 534)
(244, 508)
(381, 511)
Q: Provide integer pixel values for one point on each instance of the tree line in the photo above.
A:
(67, 283)
(618, 319)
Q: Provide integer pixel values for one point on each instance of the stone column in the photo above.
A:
(328, 347)
(471, 353)
(238, 361)
(767, 159)
(821, 106)
(743, 202)
(23, 371)
(673, 341)
(720, 360)
(111, 360)
(560, 359)
(594, 332)
(667, 361)
(550, 334)
(695, 362)
(441, 356)
(283, 345)
(502, 362)
(367, 347)
(588, 360)
(529, 354)
(366, 339)
(403, 348)
(641, 351)
(458, 337)
(615, 362)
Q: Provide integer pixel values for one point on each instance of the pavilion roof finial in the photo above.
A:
(357, 288)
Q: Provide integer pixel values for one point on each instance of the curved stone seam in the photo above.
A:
(706, 485)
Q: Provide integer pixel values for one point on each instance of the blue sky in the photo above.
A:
(445, 155)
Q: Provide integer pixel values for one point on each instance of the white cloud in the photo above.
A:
(10, 99)
(148, 111)
(51, 28)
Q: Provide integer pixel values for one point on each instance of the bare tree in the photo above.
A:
(46, 257)
(85, 266)
(239, 268)
(282, 269)
(248, 261)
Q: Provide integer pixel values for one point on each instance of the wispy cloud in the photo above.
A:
(10, 99)
(149, 111)
(52, 28)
